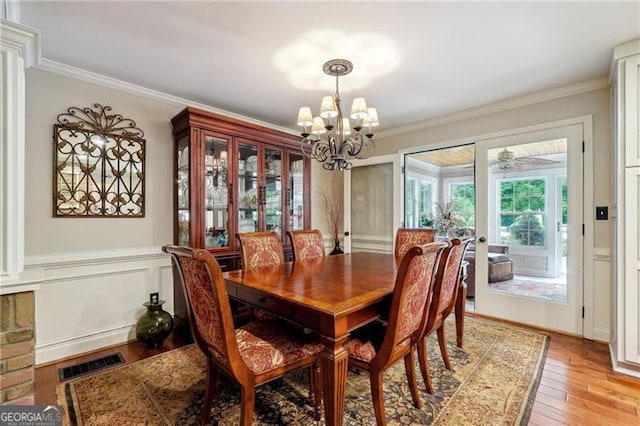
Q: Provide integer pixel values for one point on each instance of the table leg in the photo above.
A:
(334, 361)
(460, 307)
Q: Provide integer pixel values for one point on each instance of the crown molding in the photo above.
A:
(549, 95)
(134, 89)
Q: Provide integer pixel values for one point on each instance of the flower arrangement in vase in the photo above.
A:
(444, 220)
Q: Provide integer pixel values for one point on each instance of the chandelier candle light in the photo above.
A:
(328, 140)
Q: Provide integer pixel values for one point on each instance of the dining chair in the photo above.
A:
(251, 355)
(376, 346)
(409, 237)
(259, 249)
(307, 244)
(445, 290)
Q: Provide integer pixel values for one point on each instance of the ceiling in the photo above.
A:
(465, 154)
(412, 60)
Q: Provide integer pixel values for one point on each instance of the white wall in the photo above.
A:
(49, 95)
(97, 272)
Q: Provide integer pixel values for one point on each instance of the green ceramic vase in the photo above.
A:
(154, 326)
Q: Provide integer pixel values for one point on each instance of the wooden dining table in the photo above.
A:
(332, 296)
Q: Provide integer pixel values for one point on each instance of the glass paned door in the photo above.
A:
(295, 200)
(271, 197)
(529, 210)
(216, 192)
(247, 187)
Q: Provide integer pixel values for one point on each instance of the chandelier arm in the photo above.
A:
(355, 145)
(367, 149)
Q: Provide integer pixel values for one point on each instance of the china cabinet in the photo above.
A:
(233, 176)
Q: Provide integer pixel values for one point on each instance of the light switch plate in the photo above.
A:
(602, 213)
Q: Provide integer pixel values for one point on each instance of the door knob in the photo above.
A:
(482, 239)
(346, 233)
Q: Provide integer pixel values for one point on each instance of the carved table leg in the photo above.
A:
(334, 361)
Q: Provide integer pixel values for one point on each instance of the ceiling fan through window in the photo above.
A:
(508, 162)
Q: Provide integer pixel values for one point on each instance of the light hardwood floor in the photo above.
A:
(578, 386)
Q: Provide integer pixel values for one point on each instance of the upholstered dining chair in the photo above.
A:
(260, 249)
(307, 244)
(445, 290)
(377, 346)
(257, 250)
(409, 237)
(251, 355)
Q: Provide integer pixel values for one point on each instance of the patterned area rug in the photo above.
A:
(493, 380)
(555, 292)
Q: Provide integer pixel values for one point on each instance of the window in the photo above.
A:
(463, 196)
(424, 200)
(523, 212)
(409, 203)
(418, 203)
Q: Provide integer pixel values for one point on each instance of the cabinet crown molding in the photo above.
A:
(621, 51)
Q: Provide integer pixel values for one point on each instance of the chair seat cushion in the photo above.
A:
(267, 345)
(366, 340)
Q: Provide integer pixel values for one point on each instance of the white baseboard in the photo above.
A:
(601, 335)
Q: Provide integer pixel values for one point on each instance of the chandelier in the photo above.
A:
(327, 140)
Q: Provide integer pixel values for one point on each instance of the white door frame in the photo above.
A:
(590, 330)
(397, 191)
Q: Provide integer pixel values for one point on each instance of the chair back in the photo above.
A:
(411, 297)
(447, 280)
(260, 249)
(409, 237)
(307, 244)
(207, 305)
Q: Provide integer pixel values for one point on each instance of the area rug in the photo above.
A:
(493, 380)
(555, 292)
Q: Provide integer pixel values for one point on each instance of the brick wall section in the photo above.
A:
(17, 354)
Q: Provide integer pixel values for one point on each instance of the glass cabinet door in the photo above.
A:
(248, 188)
(272, 190)
(295, 193)
(182, 189)
(216, 192)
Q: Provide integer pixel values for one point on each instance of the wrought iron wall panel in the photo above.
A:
(98, 164)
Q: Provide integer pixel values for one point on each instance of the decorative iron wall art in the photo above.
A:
(98, 164)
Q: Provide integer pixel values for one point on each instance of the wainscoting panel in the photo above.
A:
(165, 286)
(87, 304)
(602, 300)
